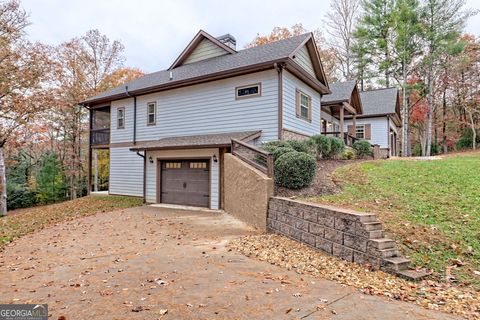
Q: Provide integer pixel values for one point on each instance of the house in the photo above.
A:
(167, 132)
(380, 121)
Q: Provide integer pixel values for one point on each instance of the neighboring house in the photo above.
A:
(167, 131)
(380, 120)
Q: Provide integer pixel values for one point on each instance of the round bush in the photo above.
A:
(300, 146)
(347, 155)
(279, 151)
(363, 148)
(321, 144)
(338, 145)
(272, 145)
(295, 170)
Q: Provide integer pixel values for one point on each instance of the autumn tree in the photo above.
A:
(327, 54)
(443, 21)
(340, 20)
(85, 66)
(22, 70)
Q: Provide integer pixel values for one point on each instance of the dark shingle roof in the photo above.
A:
(341, 91)
(198, 141)
(381, 101)
(243, 58)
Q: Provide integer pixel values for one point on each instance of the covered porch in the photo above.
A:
(344, 102)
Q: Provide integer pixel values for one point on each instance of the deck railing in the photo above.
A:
(256, 157)
(100, 136)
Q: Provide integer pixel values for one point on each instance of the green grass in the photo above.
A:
(23, 221)
(432, 208)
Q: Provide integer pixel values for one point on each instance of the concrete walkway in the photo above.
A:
(152, 263)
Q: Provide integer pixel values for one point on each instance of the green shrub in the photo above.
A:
(347, 155)
(363, 148)
(322, 145)
(417, 150)
(466, 140)
(338, 145)
(300, 146)
(279, 151)
(20, 196)
(272, 145)
(295, 170)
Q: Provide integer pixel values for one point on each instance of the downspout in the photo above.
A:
(279, 67)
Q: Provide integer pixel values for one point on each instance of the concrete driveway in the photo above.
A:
(152, 263)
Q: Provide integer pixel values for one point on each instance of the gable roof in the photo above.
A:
(241, 62)
(380, 101)
(341, 91)
(346, 91)
(199, 37)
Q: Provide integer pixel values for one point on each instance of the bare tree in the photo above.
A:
(340, 20)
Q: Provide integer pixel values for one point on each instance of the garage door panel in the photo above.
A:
(185, 182)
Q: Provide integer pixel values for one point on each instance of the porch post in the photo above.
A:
(354, 123)
(342, 114)
(95, 170)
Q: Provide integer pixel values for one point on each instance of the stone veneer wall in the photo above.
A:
(290, 135)
(347, 234)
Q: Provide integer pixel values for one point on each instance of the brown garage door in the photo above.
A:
(185, 182)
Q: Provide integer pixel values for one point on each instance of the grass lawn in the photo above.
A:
(432, 208)
(22, 221)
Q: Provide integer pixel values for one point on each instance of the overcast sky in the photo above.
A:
(154, 32)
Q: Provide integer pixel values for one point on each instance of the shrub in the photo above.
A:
(20, 196)
(322, 145)
(466, 140)
(417, 150)
(347, 155)
(300, 146)
(363, 148)
(272, 145)
(279, 151)
(295, 170)
(338, 145)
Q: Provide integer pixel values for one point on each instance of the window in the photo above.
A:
(360, 132)
(151, 113)
(304, 105)
(173, 165)
(198, 165)
(121, 118)
(252, 90)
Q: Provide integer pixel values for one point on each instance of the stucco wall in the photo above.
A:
(247, 192)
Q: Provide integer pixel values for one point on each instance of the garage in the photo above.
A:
(185, 182)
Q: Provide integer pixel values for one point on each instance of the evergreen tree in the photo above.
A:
(51, 182)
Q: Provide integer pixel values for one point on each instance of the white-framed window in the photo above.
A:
(121, 118)
(151, 113)
(249, 91)
(360, 131)
(304, 105)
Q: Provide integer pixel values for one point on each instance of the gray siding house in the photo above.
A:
(167, 131)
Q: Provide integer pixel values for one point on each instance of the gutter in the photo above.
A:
(279, 67)
(144, 156)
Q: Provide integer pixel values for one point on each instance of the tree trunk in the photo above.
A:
(444, 122)
(474, 132)
(428, 147)
(404, 113)
(3, 185)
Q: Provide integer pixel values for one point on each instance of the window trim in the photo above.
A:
(123, 118)
(298, 101)
(258, 94)
(154, 113)
(364, 132)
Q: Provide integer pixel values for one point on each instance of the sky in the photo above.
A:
(155, 32)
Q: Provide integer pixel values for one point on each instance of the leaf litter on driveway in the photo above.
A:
(292, 255)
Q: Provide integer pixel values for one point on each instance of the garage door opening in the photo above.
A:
(185, 182)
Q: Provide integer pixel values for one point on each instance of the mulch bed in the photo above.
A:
(289, 254)
(323, 183)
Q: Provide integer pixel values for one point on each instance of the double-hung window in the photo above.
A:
(360, 132)
(151, 113)
(121, 118)
(304, 105)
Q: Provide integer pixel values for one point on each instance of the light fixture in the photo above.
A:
(214, 158)
(150, 159)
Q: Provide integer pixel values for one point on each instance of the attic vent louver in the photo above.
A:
(229, 40)
(171, 75)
